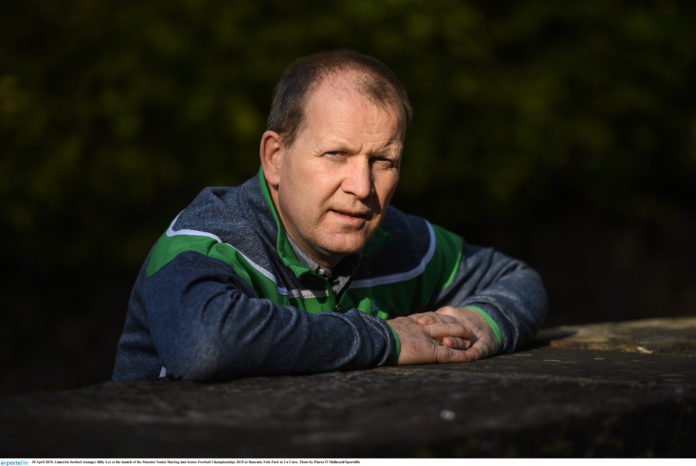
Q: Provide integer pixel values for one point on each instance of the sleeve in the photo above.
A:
(505, 291)
(206, 324)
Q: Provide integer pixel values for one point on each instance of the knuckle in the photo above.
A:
(447, 310)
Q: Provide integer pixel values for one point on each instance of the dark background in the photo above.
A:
(562, 133)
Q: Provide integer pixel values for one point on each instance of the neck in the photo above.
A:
(311, 259)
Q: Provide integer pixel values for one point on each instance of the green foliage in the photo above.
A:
(113, 114)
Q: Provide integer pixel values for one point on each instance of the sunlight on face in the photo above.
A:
(337, 178)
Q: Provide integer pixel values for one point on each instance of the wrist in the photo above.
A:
(491, 323)
(394, 358)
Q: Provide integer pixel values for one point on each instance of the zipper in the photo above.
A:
(338, 307)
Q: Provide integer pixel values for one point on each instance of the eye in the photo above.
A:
(382, 161)
(335, 154)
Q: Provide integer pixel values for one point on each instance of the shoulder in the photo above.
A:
(225, 213)
(211, 211)
(226, 223)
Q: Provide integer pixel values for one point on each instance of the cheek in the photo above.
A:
(299, 201)
(308, 179)
(386, 186)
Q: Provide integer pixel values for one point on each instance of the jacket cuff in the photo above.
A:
(397, 347)
(491, 323)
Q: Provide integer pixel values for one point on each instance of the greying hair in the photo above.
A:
(376, 82)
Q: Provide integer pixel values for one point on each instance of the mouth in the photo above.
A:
(354, 215)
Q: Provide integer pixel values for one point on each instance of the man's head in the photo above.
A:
(377, 82)
(332, 151)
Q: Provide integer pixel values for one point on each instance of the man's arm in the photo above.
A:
(499, 300)
(205, 324)
(497, 296)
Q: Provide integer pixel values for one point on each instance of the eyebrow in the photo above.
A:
(390, 147)
(384, 151)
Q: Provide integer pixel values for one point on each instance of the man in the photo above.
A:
(306, 268)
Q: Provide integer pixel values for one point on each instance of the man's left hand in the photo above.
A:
(483, 344)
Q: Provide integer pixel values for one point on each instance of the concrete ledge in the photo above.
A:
(545, 401)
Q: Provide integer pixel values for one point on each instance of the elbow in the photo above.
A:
(539, 301)
(204, 360)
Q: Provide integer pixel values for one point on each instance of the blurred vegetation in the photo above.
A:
(563, 133)
(113, 114)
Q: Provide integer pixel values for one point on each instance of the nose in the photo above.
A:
(357, 178)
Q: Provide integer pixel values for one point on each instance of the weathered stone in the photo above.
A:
(544, 401)
(637, 336)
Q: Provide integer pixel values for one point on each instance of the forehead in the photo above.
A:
(339, 87)
(339, 96)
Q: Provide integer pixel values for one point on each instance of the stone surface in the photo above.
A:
(544, 401)
(638, 336)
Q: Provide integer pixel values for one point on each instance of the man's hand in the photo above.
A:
(430, 337)
(484, 342)
(449, 334)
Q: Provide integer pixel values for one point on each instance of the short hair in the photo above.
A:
(376, 82)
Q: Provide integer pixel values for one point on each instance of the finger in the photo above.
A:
(425, 319)
(441, 330)
(430, 318)
(480, 349)
(445, 354)
(457, 343)
(446, 310)
(440, 326)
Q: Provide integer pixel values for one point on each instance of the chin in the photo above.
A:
(347, 248)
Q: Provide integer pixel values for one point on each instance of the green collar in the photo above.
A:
(285, 251)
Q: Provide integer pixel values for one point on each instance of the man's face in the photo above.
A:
(335, 181)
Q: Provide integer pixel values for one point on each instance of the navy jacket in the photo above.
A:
(222, 294)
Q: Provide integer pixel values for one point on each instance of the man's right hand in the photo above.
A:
(423, 344)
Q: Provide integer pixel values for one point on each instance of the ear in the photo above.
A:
(271, 154)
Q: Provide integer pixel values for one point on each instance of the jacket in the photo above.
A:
(222, 294)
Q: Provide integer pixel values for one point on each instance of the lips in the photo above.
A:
(351, 218)
(366, 215)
